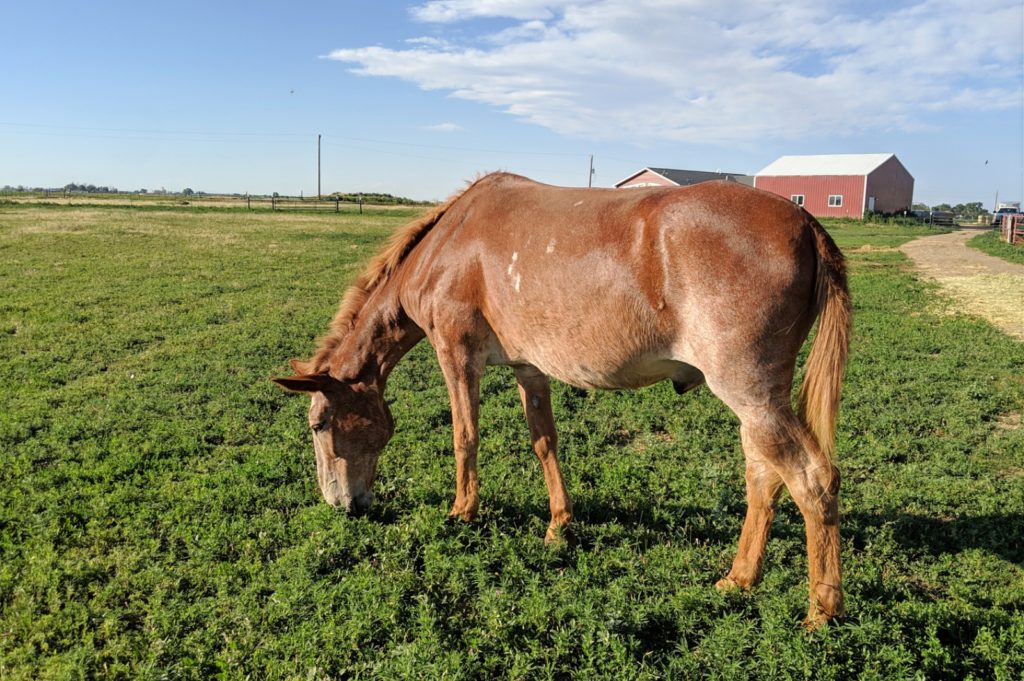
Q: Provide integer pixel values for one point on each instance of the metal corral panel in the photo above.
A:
(816, 191)
(891, 186)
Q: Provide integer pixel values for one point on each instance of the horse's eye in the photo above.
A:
(319, 426)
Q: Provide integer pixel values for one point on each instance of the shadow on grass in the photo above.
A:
(653, 522)
(1000, 534)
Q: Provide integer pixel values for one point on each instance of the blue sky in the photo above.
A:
(414, 98)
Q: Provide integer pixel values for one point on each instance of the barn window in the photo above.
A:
(798, 199)
(835, 200)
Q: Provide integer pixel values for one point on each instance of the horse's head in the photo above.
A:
(351, 424)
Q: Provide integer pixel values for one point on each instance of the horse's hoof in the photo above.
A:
(728, 584)
(826, 607)
(461, 515)
(816, 620)
(559, 537)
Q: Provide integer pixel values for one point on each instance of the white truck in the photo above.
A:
(1004, 208)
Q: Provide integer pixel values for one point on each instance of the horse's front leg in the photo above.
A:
(462, 370)
(535, 393)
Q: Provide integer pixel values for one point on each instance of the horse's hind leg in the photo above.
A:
(775, 436)
(779, 447)
(763, 488)
(535, 393)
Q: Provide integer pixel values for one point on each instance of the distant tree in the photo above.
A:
(970, 210)
(187, 191)
(276, 195)
(376, 198)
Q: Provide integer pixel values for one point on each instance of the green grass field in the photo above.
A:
(160, 518)
(993, 244)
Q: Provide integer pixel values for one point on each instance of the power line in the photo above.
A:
(156, 138)
(454, 148)
(44, 129)
(145, 131)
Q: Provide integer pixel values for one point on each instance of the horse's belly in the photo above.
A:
(587, 323)
(636, 375)
(579, 366)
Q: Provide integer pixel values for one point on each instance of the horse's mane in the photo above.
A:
(376, 274)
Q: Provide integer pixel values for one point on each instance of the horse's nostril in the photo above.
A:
(361, 504)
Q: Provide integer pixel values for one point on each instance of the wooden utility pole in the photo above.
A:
(590, 175)
(318, 195)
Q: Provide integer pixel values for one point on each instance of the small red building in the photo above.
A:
(671, 177)
(841, 185)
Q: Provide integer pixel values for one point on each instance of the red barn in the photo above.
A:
(841, 185)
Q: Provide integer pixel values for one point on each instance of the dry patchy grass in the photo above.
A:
(996, 298)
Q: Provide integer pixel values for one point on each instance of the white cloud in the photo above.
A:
(444, 127)
(448, 11)
(716, 70)
(431, 42)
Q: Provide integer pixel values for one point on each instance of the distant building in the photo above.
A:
(841, 185)
(670, 177)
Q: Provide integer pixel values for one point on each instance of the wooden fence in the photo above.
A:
(276, 203)
(254, 203)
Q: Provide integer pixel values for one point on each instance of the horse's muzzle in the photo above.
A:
(352, 505)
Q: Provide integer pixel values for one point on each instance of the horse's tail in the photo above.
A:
(823, 376)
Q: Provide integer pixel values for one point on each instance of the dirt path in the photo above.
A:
(980, 284)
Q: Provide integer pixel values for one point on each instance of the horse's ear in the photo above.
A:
(301, 368)
(306, 383)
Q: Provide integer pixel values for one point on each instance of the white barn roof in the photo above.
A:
(830, 164)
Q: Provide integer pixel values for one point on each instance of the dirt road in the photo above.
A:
(978, 283)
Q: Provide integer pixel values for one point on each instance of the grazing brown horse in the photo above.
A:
(716, 283)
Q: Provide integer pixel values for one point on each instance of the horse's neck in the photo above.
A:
(381, 336)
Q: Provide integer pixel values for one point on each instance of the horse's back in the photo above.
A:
(601, 287)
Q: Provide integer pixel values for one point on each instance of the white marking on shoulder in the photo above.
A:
(551, 246)
(518, 279)
(578, 203)
(515, 256)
